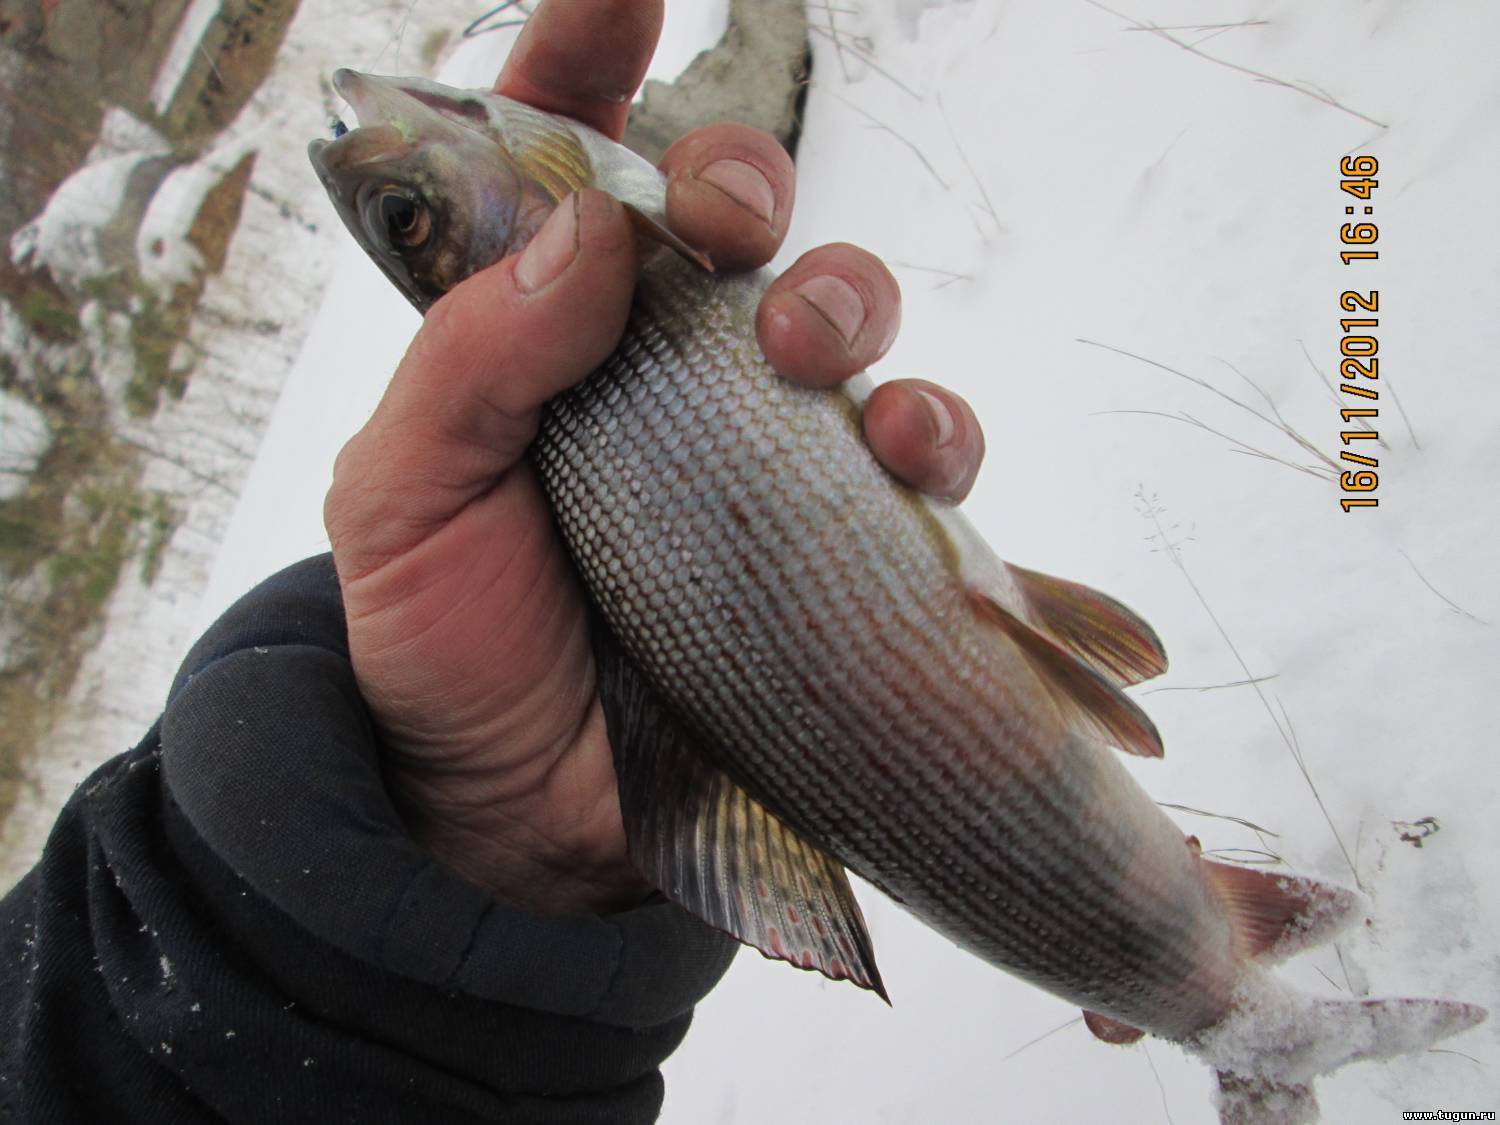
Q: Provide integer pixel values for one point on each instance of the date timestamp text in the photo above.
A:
(1359, 362)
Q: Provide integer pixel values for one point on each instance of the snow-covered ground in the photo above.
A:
(1159, 202)
(1048, 174)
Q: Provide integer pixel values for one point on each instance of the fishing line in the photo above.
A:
(480, 26)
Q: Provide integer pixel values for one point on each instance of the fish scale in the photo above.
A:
(803, 665)
(740, 646)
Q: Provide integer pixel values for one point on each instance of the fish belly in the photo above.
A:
(801, 612)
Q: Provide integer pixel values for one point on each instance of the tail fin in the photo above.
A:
(1273, 1044)
(1255, 1101)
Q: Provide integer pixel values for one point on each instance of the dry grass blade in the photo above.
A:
(1333, 395)
(1289, 735)
(839, 38)
(1451, 1051)
(1250, 824)
(1306, 89)
(1329, 979)
(989, 204)
(1249, 857)
(838, 43)
(1402, 411)
(883, 127)
(1449, 602)
(949, 276)
(1044, 1035)
(1213, 687)
(1327, 469)
(1318, 471)
(1165, 1108)
(1202, 26)
(1281, 423)
(1282, 723)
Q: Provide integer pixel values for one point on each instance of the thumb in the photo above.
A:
(464, 403)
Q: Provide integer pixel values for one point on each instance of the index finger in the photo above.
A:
(584, 59)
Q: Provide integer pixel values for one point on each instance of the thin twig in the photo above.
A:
(1449, 602)
(1306, 89)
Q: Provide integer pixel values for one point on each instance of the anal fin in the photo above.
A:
(1105, 635)
(715, 850)
(1091, 705)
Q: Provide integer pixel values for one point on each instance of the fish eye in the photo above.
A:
(404, 221)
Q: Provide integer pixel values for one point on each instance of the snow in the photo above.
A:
(1162, 203)
(1047, 174)
(72, 235)
(185, 45)
(24, 437)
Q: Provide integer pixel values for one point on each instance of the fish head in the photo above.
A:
(424, 184)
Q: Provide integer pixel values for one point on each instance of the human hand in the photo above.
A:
(468, 629)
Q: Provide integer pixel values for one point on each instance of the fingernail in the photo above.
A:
(837, 302)
(942, 418)
(745, 184)
(550, 249)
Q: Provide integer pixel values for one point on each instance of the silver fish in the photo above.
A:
(807, 667)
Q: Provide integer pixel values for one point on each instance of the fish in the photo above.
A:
(807, 668)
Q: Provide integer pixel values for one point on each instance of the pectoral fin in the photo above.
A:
(1101, 632)
(715, 850)
(1091, 705)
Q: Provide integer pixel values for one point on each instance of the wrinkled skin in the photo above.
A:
(467, 625)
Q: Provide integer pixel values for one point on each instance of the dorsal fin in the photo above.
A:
(1091, 705)
(1101, 632)
(715, 850)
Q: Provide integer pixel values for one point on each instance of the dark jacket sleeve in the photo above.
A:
(229, 923)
